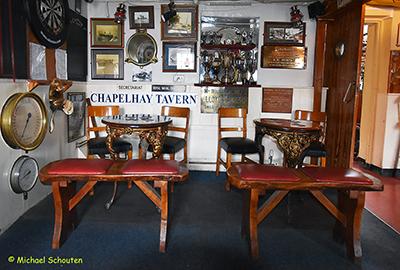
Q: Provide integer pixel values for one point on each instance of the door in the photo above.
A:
(343, 37)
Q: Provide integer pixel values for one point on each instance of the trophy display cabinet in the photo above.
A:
(228, 51)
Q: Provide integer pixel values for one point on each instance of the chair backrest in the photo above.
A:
(237, 126)
(98, 111)
(178, 112)
(320, 117)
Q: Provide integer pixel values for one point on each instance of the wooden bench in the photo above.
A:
(351, 186)
(63, 175)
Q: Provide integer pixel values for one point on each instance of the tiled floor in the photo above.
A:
(386, 204)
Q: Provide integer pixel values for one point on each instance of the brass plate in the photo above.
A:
(284, 57)
(213, 98)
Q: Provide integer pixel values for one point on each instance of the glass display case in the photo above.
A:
(228, 51)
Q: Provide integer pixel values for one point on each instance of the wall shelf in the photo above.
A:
(227, 85)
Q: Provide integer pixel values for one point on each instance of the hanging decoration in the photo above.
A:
(296, 16)
(120, 14)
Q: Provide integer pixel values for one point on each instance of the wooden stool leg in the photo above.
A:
(63, 215)
(351, 204)
(249, 222)
(164, 215)
(228, 165)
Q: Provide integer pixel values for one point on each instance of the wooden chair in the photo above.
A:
(234, 145)
(174, 144)
(317, 148)
(96, 145)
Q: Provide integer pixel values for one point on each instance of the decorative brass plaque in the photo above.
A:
(277, 100)
(213, 98)
(283, 57)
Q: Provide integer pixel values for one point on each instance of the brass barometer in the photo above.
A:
(24, 121)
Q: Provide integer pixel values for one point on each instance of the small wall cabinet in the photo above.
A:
(228, 51)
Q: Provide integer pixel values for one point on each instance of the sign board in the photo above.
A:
(213, 98)
(277, 100)
(284, 57)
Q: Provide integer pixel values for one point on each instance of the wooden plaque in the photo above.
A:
(277, 100)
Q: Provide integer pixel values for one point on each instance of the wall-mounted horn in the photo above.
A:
(57, 101)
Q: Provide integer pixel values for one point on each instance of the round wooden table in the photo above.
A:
(293, 136)
(152, 129)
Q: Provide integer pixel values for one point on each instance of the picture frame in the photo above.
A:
(108, 64)
(282, 33)
(179, 56)
(76, 121)
(106, 33)
(183, 25)
(141, 17)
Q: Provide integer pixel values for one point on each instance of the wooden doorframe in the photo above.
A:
(341, 117)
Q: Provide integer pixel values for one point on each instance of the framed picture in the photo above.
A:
(108, 64)
(106, 33)
(282, 33)
(179, 56)
(183, 25)
(141, 17)
(76, 121)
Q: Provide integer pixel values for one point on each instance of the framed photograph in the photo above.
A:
(179, 56)
(106, 33)
(183, 25)
(282, 33)
(141, 17)
(108, 64)
(76, 121)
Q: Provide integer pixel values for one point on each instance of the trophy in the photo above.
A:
(215, 69)
(207, 61)
(240, 68)
(251, 65)
(227, 60)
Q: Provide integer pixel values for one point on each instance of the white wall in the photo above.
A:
(55, 145)
(300, 80)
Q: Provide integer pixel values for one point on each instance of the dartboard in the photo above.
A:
(49, 21)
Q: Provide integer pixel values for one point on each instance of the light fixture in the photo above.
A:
(120, 14)
(296, 16)
(170, 13)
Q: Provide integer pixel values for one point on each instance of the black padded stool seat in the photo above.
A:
(316, 149)
(171, 145)
(238, 145)
(98, 146)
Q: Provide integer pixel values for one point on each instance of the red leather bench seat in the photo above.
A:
(341, 175)
(265, 173)
(150, 166)
(81, 166)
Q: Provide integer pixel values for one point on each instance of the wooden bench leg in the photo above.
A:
(64, 217)
(164, 215)
(351, 204)
(249, 222)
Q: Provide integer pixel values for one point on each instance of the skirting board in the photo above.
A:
(380, 171)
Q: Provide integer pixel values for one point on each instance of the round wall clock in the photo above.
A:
(24, 174)
(49, 21)
(24, 121)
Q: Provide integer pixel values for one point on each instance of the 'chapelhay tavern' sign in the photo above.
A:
(144, 98)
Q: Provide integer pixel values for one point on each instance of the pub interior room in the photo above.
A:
(200, 134)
